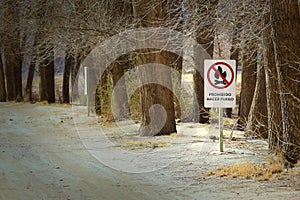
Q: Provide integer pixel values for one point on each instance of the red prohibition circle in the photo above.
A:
(212, 67)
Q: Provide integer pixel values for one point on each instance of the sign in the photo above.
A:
(86, 80)
(219, 83)
(86, 77)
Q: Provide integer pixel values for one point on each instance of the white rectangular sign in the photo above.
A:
(219, 83)
(86, 69)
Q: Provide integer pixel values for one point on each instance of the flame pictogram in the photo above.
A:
(218, 74)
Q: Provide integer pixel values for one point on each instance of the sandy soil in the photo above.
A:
(56, 152)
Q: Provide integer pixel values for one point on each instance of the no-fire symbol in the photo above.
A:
(220, 75)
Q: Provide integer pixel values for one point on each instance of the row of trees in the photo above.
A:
(263, 35)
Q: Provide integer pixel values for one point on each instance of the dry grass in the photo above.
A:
(135, 145)
(229, 121)
(248, 170)
(172, 135)
(297, 164)
(296, 170)
(42, 103)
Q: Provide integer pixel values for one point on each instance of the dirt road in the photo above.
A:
(42, 157)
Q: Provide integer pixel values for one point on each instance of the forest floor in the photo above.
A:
(49, 152)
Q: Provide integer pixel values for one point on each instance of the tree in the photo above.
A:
(257, 118)
(156, 94)
(30, 76)
(10, 76)
(249, 66)
(152, 14)
(285, 21)
(12, 51)
(202, 22)
(102, 96)
(18, 75)
(2, 83)
(21, 40)
(234, 55)
(272, 93)
(47, 83)
(70, 62)
(120, 104)
(29, 53)
(201, 113)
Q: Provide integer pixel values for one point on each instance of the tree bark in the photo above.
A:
(104, 105)
(273, 100)
(204, 37)
(160, 94)
(154, 120)
(249, 67)
(30, 44)
(42, 83)
(28, 90)
(258, 118)
(50, 82)
(18, 75)
(2, 83)
(70, 62)
(46, 73)
(120, 105)
(234, 55)
(201, 113)
(285, 20)
(74, 72)
(98, 108)
(10, 76)
(12, 43)
(177, 84)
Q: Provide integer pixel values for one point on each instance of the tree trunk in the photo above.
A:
(70, 62)
(120, 106)
(177, 84)
(103, 95)
(234, 55)
(249, 67)
(204, 37)
(74, 72)
(98, 109)
(285, 21)
(273, 101)
(30, 44)
(28, 90)
(12, 46)
(2, 83)
(156, 96)
(258, 118)
(46, 73)
(10, 76)
(158, 115)
(18, 77)
(201, 113)
(50, 82)
(42, 83)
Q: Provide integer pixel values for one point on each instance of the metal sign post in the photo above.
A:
(221, 128)
(219, 88)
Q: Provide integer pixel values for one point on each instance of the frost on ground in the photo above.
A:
(49, 152)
